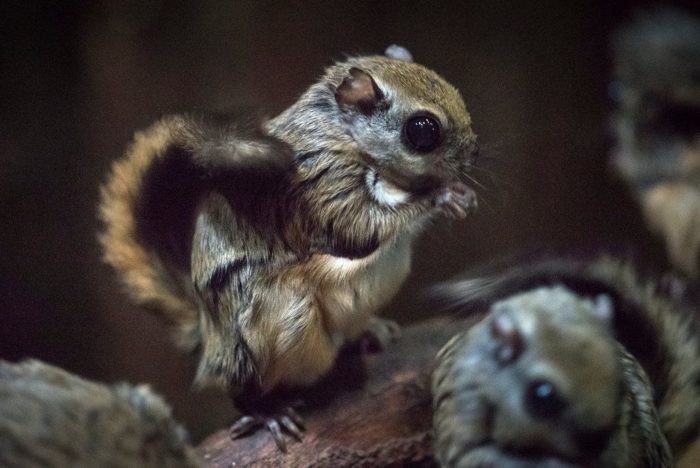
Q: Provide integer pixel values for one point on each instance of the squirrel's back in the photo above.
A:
(149, 202)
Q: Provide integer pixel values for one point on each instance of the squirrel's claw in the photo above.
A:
(457, 200)
(287, 420)
(276, 431)
(244, 425)
(291, 427)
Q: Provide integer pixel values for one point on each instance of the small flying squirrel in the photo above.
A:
(578, 363)
(656, 123)
(270, 243)
(52, 418)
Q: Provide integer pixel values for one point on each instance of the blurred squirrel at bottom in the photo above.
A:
(51, 418)
(578, 363)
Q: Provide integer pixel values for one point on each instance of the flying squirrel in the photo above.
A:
(51, 418)
(268, 244)
(578, 363)
(656, 124)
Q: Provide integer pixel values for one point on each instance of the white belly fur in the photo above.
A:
(350, 291)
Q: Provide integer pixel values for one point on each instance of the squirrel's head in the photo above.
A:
(403, 118)
(558, 381)
(538, 380)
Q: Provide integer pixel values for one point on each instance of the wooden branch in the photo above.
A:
(372, 410)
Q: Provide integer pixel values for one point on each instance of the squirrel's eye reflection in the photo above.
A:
(423, 132)
(543, 401)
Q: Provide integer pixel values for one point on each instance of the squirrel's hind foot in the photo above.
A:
(279, 421)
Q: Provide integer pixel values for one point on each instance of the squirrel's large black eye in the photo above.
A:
(422, 132)
(543, 401)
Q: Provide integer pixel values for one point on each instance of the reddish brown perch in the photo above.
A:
(373, 410)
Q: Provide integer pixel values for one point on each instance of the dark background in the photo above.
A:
(79, 78)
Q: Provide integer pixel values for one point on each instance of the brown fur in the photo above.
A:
(656, 366)
(273, 245)
(50, 418)
(141, 270)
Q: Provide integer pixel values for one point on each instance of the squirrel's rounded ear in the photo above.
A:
(358, 91)
(397, 52)
(604, 308)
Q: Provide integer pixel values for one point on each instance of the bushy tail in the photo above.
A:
(149, 202)
(150, 280)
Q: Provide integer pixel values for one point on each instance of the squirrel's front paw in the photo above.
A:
(456, 200)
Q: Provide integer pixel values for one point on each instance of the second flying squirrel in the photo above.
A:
(270, 244)
(656, 91)
(578, 363)
(51, 418)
